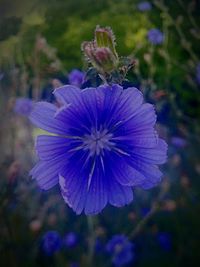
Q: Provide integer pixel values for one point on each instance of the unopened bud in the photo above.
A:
(101, 52)
(104, 37)
(105, 58)
(88, 48)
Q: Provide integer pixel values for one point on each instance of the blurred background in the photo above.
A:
(39, 51)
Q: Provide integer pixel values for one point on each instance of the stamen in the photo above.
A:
(97, 141)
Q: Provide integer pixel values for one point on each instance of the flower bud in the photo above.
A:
(104, 37)
(101, 52)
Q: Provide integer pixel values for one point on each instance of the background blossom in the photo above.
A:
(144, 6)
(51, 242)
(198, 73)
(178, 141)
(155, 36)
(23, 106)
(76, 77)
(121, 250)
(70, 240)
(165, 241)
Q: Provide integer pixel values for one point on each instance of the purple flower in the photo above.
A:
(98, 247)
(164, 240)
(76, 77)
(51, 242)
(155, 36)
(104, 144)
(23, 106)
(121, 250)
(1, 75)
(198, 73)
(70, 240)
(178, 141)
(144, 6)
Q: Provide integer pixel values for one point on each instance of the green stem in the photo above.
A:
(155, 208)
(185, 44)
(143, 222)
(92, 238)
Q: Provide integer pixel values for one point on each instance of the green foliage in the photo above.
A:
(66, 24)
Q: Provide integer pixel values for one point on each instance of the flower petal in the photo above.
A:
(97, 195)
(80, 195)
(151, 172)
(89, 99)
(148, 185)
(50, 147)
(119, 195)
(130, 102)
(155, 155)
(123, 172)
(46, 172)
(111, 97)
(73, 181)
(145, 115)
(73, 191)
(42, 116)
(67, 94)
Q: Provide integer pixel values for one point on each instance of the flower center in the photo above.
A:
(118, 248)
(97, 141)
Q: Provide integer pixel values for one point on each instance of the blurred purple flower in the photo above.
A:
(76, 77)
(51, 242)
(144, 6)
(23, 106)
(99, 247)
(121, 250)
(70, 240)
(155, 36)
(198, 73)
(164, 240)
(1, 75)
(105, 144)
(178, 141)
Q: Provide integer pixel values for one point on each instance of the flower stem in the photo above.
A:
(91, 234)
(155, 208)
(143, 222)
